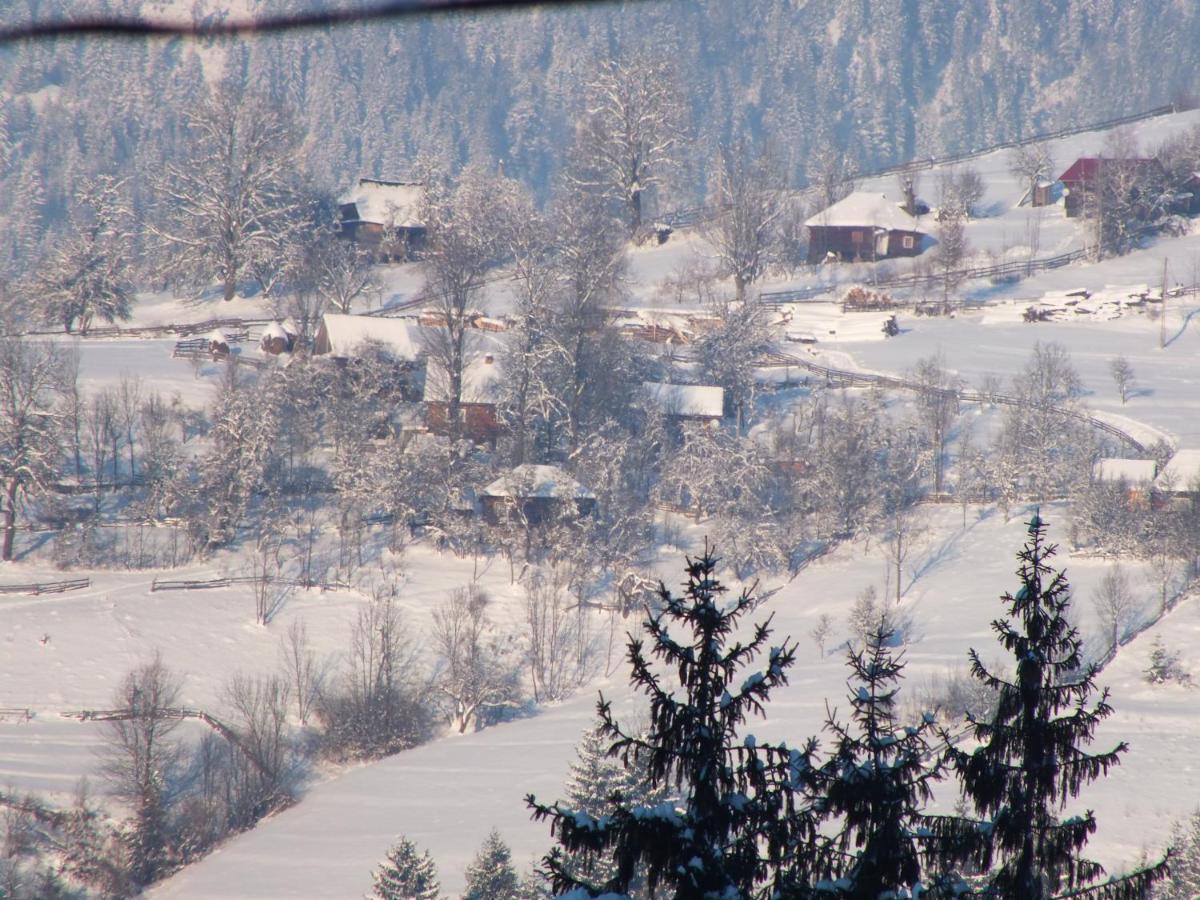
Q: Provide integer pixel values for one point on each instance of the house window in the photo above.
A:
(908, 242)
(856, 237)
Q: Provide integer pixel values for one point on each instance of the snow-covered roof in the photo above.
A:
(1181, 473)
(862, 209)
(396, 203)
(544, 482)
(219, 336)
(345, 334)
(1132, 471)
(686, 399)
(481, 380)
(274, 330)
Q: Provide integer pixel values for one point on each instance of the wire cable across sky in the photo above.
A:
(123, 27)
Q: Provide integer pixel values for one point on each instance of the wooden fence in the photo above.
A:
(180, 584)
(46, 587)
(844, 378)
(1000, 271)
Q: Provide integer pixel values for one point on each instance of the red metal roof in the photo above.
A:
(1086, 168)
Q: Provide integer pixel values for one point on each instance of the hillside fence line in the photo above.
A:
(845, 378)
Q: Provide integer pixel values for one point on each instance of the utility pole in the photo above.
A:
(1162, 318)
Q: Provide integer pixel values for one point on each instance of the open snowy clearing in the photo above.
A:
(447, 795)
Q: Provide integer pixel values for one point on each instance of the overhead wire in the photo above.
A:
(134, 27)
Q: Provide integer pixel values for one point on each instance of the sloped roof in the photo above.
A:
(1087, 168)
(481, 380)
(527, 482)
(864, 209)
(346, 333)
(685, 399)
(1180, 473)
(396, 203)
(1133, 471)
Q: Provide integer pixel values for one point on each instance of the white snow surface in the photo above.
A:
(686, 399)
(387, 202)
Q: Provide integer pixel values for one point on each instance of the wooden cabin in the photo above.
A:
(477, 405)
(863, 227)
(686, 402)
(1085, 175)
(340, 337)
(384, 218)
(218, 344)
(536, 494)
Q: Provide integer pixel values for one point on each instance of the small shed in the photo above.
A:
(538, 493)
(218, 344)
(863, 226)
(690, 402)
(279, 337)
(340, 336)
(478, 400)
(384, 217)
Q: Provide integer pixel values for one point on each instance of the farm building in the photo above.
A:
(279, 337)
(1180, 477)
(1087, 173)
(479, 398)
(863, 226)
(1136, 474)
(218, 344)
(384, 218)
(691, 402)
(340, 336)
(538, 494)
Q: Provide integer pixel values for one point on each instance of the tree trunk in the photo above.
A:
(10, 520)
(230, 287)
(635, 204)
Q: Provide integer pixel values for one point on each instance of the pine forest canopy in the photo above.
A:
(877, 83)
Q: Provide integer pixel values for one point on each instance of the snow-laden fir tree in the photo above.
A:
(1184, 881)
(599, 783)
(405, 875)
(1030, 760)
(741, 827)
(491, 875)
(877, 781)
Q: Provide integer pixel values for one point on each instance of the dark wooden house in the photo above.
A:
(863, 227)
(535, 494)
(384, 218)
(279, 337)
(478, 401)
(1087, 173)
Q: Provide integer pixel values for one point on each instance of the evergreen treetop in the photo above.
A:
(737, 828)
(405, 875)
(1030, 760)
(491, 875)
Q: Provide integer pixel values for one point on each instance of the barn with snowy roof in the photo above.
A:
(537, 494)
(341, 336)
(690, 402)
(384, 218)
(863, 226)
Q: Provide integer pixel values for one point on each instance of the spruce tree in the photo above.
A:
(403, 875)
(878, 780)
(741, 825)
(597, 784)
(491, 875)
(1030, 760)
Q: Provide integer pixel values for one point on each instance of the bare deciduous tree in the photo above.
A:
(231, 206)
(561, 651)
(140, 759)
(1122, 375)
(32, 385)
(747, 193)
(263, 781)
(1031, 163)
(475, 670)
(937, 403)
(1115, 604)
(630, 131)
(301, 668)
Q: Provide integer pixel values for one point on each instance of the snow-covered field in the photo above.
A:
(69, 651)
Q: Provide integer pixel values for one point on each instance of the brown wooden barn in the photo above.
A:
(863, 226)
(1084, 176)
(535, 494)
(480, 396)
(340, 336)
(384, 218)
